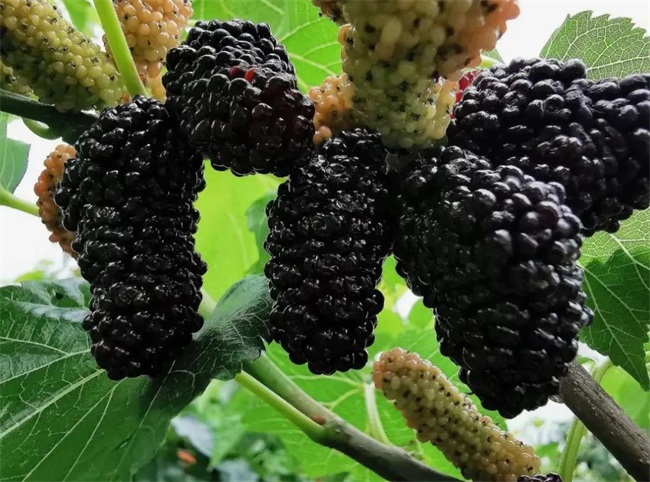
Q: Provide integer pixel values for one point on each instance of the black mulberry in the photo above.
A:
(540, 478)
(234, 90)
(131, 189)
(329, 235)
(494, 252)
(546, 118)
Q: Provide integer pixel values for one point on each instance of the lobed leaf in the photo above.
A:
(13, 157)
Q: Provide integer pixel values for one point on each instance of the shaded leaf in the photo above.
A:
(63, 419)
(311, 40)
(611, 47)
(617, 280)
(13, 157)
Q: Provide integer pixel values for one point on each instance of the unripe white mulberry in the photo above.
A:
(449, 420)
(333, 104)
(11, 82)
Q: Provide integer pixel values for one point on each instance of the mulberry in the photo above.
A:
(152, 28)
(333, 103)
(540, 478)
(329, 235)
(409, 109)
(234, 90)
(61, 65)
(494, 252)
(133, 185)
(546, 118)
(12, 83)
(333, 9)
(45, 187)
(433, 407)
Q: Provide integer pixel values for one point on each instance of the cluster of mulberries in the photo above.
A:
(330, 231)
(333, 9)
(129, 196)
(333, 104)
(494, 252)
(409, 109)
(11, 82)
(45, 188)
(545, 117)
(152, 28)
(61, 65)
(234, 90)
(440, 414)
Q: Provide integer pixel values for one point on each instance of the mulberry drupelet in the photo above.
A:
(545, 117)
(330, 231)
(129, 196)
(540, 478)
(234, 90)
(494, 252)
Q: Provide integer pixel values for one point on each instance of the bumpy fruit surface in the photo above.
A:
(11, 82)
(494, 252)
(329, 235)
(540, 478)
(410, 109)
(129, 196)
(61, 65)
(433, 407)
(545, 117)
(333, 103)
(333, 9)
(152, 28)
(234, 90)
(45, 187)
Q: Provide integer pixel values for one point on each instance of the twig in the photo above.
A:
(68, 125)
(607, 421)
(119, 47)
(388, 461)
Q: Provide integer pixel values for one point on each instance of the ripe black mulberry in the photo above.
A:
(545, 117)
(234, 90)
(540, 478)
(494, 252)
(330, 231)
(132, 187)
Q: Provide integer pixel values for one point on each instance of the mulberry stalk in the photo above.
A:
(440, 414)
(129, 196)
(494, 252)
(545, 117)
(235, 92)
(61, 65)
(45, 188)
(330, 231)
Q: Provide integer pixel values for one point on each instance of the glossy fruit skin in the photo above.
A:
(330, 231)
(129, 196)
(546, 118)
(234, 91)
(494, 253)
(540, 478)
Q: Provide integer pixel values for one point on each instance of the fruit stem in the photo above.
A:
(304, 423)
(41, 130)
(12, 201)
(578, 430)
(386, 460)
(375, 427)
(68, 125)
(207, 305)
(119, 47)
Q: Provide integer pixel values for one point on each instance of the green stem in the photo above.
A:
(67, 125)
(41, 129)
(119, 47)
(10, 200)
(207, 305)
(304, 423)
(375, 427)
(578, 431)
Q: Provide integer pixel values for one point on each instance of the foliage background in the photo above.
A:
(229, 435)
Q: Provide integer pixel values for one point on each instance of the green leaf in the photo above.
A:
(617, 280)
(257, 224)
(13, 157)
(311, 40)
(63, 419)
(611, 47)
(82, 14)
(627, 393)
(494, 55)
(223, 240)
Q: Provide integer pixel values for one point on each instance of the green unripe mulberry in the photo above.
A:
(61, 65)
